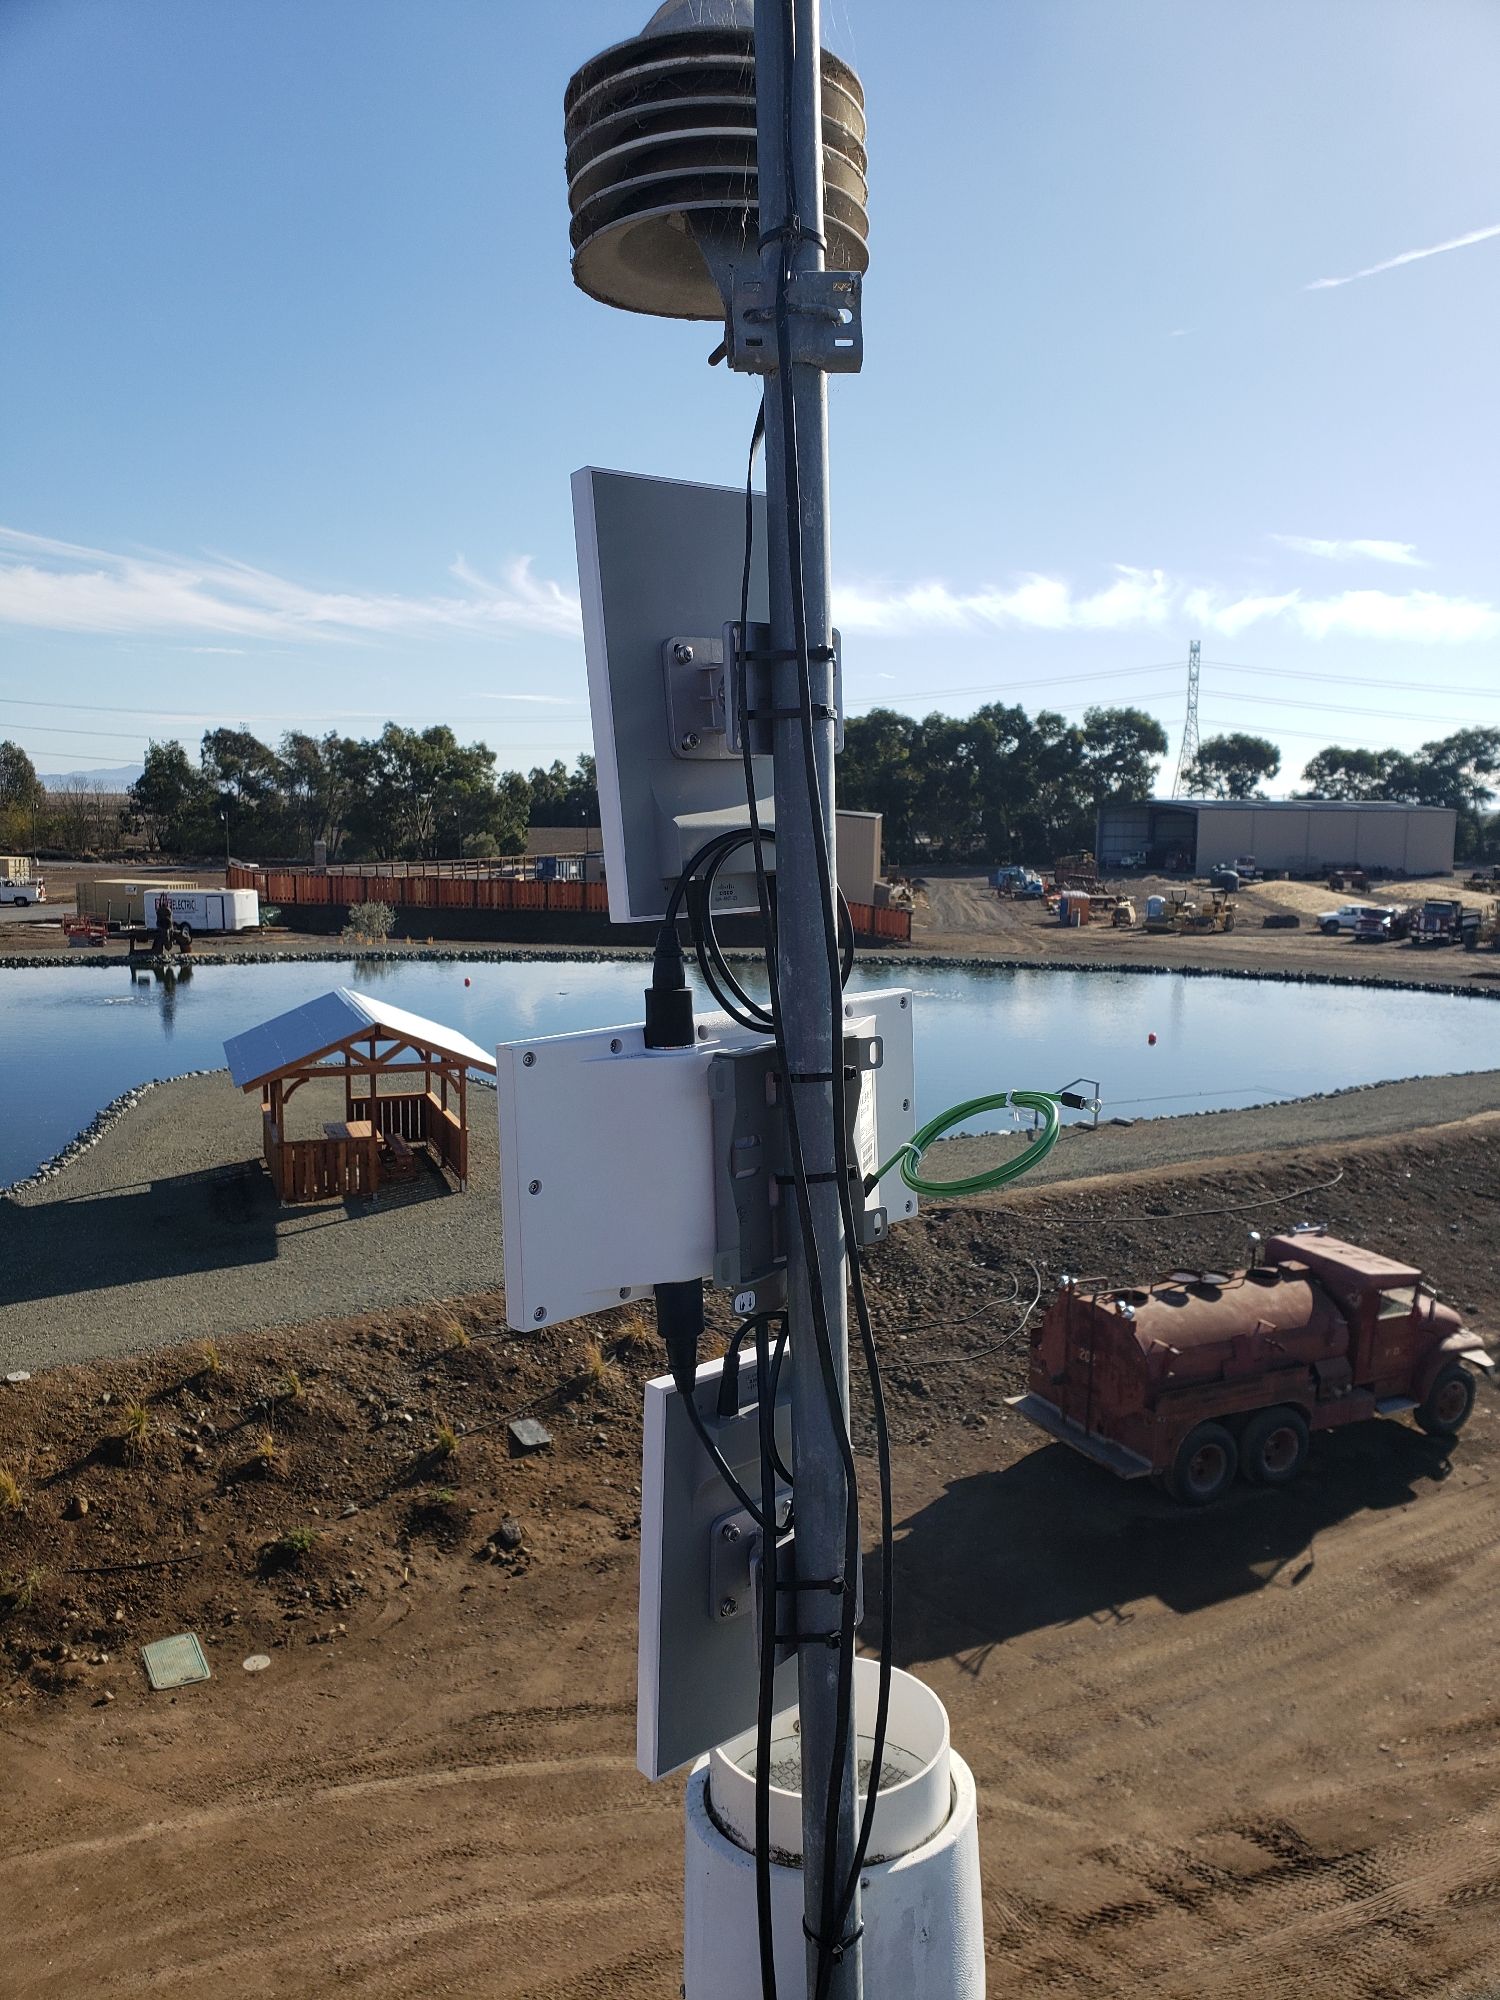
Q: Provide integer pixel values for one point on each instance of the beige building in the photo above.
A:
(1302, 836)
(858, 851)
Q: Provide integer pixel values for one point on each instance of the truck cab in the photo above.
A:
(23, 892)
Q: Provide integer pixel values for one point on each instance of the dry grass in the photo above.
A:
(289, 1388)
(266, 1448)
(135, 1428)
(636, 1338)
(457, 1334)
(213, 1361)
(19, 1589)
(597, 1366)
(445, 1441)
(12, 1499)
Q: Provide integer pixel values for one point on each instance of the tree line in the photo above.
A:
(997, 785)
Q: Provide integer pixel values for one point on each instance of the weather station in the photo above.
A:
(716, 172)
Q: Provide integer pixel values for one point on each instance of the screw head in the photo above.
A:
(727, 1607)
(729, 1532)
(682, 653)
(528, 1059)
(615, 1046)
(533, 1187)
(540, 1314)
(624, 1291)
(688, 742)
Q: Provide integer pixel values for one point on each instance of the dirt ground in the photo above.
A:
(959, 915)
(1254, 1753)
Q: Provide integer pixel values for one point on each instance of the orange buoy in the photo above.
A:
(466, 983)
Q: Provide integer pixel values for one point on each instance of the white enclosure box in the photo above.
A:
(607, 1164)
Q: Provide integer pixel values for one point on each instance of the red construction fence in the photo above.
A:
(439, 885)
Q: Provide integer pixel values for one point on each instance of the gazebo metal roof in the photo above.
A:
(323, 1026)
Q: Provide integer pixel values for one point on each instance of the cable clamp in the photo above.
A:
(749, 662)
(837, 1951)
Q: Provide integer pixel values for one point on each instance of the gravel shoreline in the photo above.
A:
(159, 1225)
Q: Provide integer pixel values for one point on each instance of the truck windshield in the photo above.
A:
(1396, 1305)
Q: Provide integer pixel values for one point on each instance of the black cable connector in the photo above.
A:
(669, 998)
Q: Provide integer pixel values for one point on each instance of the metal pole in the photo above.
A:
(808, 999)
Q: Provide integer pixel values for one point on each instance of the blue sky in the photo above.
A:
(297, 374)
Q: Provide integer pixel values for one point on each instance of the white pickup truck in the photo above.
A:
(23, 894)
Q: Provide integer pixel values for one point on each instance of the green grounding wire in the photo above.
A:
(909, 1157)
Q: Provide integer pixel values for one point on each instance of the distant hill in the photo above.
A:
(118, 778)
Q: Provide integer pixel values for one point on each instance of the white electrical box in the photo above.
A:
(608, 1172)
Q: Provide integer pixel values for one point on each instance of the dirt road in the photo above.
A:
(1244, 1756)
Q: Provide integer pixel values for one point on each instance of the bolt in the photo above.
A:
(729, 1532)
(615, 1046)
(682, 653)
(727, 1607)
(540, 1314)
(534, 1187)
(688, 742)
(528, 1059)
(624, 1291)
(906, 1104)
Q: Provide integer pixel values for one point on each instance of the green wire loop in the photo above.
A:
(909, 1156)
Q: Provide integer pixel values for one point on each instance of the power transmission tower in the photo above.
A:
(1189, 747)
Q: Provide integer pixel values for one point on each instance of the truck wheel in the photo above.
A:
(1445, 1409)
(1273, 1446)
(1329, 930)
(1204, 1468)
(23, 902)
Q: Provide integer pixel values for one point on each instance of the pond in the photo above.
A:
(73, 1038)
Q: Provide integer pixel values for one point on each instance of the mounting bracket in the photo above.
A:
(824, 310)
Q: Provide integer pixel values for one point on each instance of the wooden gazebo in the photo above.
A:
(356, 1039)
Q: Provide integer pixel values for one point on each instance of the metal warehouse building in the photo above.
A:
(1304, 836)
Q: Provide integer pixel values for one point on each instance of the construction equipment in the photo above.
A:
(1123, 918)
(1481, 928)
(1207, 1373)
(1186, 916)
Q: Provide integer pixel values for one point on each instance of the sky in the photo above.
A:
(1179, 324)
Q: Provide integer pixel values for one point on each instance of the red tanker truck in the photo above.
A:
(1209, 1373)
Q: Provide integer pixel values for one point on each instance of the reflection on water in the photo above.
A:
(73, 1038)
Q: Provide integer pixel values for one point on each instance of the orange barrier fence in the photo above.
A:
(436, 890)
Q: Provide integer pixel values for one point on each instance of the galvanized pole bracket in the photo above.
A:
(826, 328)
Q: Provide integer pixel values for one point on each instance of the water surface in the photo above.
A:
(73, 1038)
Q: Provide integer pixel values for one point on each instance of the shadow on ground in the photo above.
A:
(1053, 1539)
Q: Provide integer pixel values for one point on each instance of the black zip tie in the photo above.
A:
(821, 712)
(832, 1640)
(791, 1180)
(835, 1951)
(835, 1584)
(773, 654)
(794, 228)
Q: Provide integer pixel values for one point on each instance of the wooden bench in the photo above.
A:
(403, 1161)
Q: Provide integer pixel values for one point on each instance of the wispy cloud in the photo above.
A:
(65, 587)
(1136, 598)
(1360, 549)
(1406, 257)
(1149, 600)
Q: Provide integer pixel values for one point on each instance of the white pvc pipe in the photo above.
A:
(923, 1935)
